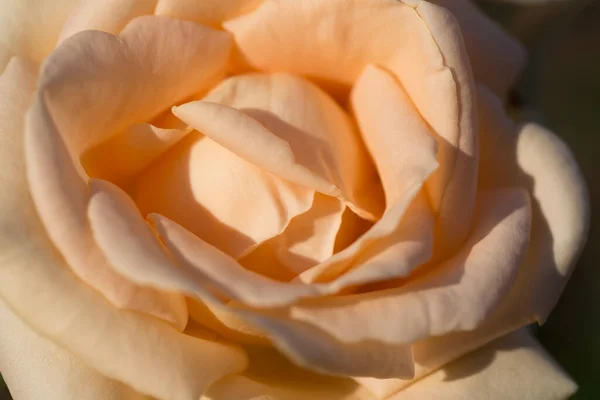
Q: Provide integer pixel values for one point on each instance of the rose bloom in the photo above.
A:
(278, 199)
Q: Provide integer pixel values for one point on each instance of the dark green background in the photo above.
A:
(563, 83)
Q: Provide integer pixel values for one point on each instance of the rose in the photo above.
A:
(119, 219)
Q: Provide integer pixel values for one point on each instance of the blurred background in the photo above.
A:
(561, 89)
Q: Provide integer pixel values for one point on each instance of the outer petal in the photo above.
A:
(299, 117)
(533, 157)
(512, 367)
(496, 57)
(108, 16)
(30, 28)
(36, 284)
(35, 368)
(420, 43)
(207, 12)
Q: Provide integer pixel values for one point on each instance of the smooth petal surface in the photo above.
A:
(533, 157)
(512, 367)
(496, 57)
(30, 28)
(107, 16)
(299, 116)
(420, 43)
(136, 149)
(154, 63)
(33, 368)
(206, 12)
(38, 286)
(459, 295)
(223, 199)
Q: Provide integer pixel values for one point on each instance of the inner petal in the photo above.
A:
(223, 199)
(299, 115)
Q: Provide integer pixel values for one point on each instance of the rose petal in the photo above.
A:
(156, 62)
(512, 367)
(296, 114)
(496, 57)
(395, 134)
(458, 295)
(217, 195)
(207, 12)
(60, 195)
(136, 149)
(421, 44)
(33, 367)
(35, 283)
(204, 270)
(308, 240)
(533, 157)
(30, 28)
(108, 16)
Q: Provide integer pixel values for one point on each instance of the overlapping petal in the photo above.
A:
(421, 44)
(206, 12)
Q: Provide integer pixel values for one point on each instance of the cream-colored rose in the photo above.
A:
(286, 199)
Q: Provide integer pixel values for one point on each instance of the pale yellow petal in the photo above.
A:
(420, 43)
(30, 28)
(206, 12)
(496, 57)
(223, 199)
(108, 16)
(458, 295)
(512, 367)
(297, 115)
(34, 368)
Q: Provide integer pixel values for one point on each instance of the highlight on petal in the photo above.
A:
(33, 367)
(542, 163)
(512, 367)
(206, 12)
(108, 16)
(420, 44)
(458, 295)
(155, 63)
(223, 199)
(298, 116)
(36, 283)
(496, 57)
(30, 29)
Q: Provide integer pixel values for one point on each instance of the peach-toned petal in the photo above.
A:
(60, 195)
(206, 12)
(35, 368)
(135, 149)
(31, 28)
(395, 134)
(297, 115)
(459, 295)
(36, 283)
(272, 376)
(420, 43)
(535, 158)
(217, 195)
(496, 57)
(308, 240)
(512, 367)
(108, 16)
(155, 63)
